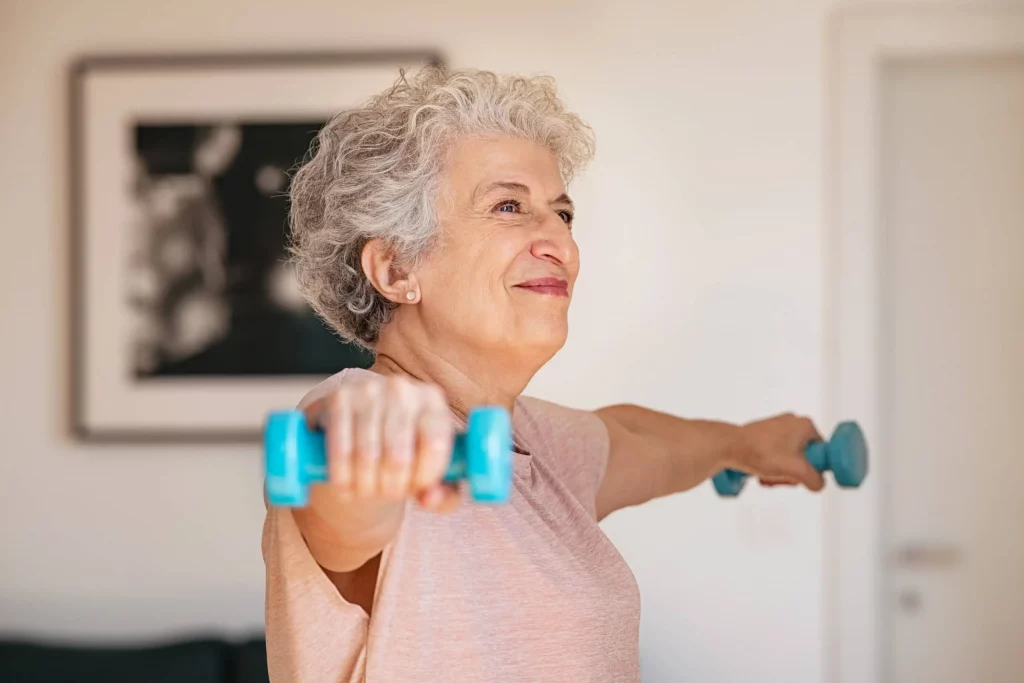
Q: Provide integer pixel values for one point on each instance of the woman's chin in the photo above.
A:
(544, 335)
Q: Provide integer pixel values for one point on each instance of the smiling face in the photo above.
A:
(502, 276)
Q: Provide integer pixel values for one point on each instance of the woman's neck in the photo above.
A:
(466, 384)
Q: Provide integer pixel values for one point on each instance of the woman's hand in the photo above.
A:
(774, 450)
(388, 439)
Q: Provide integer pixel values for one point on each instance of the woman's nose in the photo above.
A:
(554, 242)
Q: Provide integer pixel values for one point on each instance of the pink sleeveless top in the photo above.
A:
(531, 590)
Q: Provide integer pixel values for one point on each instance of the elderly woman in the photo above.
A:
(433, 226)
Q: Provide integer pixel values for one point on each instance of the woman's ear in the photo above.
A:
(380, 266)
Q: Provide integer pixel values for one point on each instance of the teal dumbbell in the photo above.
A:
(295, 457)
(845, 455)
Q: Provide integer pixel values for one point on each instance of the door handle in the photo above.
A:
(921, 555)
(910, 600)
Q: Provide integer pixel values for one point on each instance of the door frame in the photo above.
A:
(861, 42)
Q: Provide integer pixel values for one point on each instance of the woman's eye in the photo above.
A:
(566, 216)
(510, 206)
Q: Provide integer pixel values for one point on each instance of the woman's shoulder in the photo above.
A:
(330, 384)
(561, 427)
(553, 415)
(549, 411)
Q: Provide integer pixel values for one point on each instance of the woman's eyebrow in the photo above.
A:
(502, 185)
(564, 199)
(519, 187)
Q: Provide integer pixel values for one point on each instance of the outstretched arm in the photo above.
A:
(654, 454)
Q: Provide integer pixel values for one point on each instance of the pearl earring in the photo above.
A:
(410, 295)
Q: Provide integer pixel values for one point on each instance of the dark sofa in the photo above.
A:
(184, 661)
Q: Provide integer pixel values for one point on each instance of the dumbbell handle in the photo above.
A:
(314, 459)
(817, 455)
(296, 457)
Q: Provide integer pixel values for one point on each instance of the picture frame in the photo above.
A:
(186, 321)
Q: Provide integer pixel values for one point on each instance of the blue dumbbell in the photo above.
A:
(845, 454)
(295, 457)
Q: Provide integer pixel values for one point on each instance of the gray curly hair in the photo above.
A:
(376, 172)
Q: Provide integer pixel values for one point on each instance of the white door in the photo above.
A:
(953, 369)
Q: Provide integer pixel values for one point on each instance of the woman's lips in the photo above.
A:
(552, 286)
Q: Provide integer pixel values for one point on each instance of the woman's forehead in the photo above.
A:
(479, 167)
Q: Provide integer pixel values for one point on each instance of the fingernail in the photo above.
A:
(433, 497)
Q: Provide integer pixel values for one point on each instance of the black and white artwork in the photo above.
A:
(209, 282)
(187, 321)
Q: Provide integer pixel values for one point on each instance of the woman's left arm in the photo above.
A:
(653, 454)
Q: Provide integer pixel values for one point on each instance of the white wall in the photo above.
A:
(701, 230)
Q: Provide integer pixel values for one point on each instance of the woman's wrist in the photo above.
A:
(736, 448)
(722, 445)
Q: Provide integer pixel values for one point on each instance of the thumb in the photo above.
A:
(800, 469)
(439, 498)
(803, 469)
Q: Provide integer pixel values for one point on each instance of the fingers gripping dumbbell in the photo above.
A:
(295, 457)
(845, 455)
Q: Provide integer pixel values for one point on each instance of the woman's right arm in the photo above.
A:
(388, 438)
